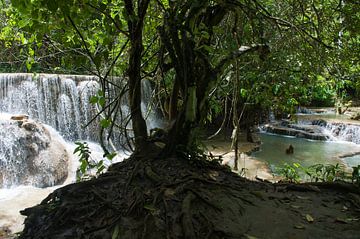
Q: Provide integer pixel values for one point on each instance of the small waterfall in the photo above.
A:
(343, 132)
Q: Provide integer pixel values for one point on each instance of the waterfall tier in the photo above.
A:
(317, 130)
(343, 131)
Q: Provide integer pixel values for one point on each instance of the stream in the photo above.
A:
(306, 152)
(342, 145)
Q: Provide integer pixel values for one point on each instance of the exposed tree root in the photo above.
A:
(177, 198)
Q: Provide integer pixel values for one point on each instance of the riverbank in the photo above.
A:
(248, 166)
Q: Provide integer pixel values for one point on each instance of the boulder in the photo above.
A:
(30, 154)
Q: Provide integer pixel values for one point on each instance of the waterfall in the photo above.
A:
(343, 132)
(62, 101)
(34, 154)
(56, 100)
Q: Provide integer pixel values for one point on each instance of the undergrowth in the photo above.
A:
(296, 173)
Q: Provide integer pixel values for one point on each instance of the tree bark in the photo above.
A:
(135, 25)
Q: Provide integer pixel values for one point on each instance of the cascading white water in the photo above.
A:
(31, 154)
(56, 100)
(343, 132)
(62, 102)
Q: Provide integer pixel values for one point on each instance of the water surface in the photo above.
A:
(306, 152)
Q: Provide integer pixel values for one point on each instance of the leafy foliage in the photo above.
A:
(325, 173)
(296, 173)
(290, 172)
(283, 54)
(355, 176)
(87, 164)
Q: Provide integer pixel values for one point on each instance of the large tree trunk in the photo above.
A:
(138, 122)
(135, 25)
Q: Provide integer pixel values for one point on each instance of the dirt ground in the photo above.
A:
(177, 197)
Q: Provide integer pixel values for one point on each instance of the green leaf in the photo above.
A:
(52, 5)
(83, 166)
(94, 99)
(102, 101)
(116, 232)
(100, 169)
(76, 150)
(100, 93)
(28, 66)
(105, 123)
(111, 156)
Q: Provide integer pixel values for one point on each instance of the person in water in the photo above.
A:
(290, 150)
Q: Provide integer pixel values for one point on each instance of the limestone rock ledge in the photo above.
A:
(313, 131)
(30, 154)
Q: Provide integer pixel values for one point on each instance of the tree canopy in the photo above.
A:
(199, 54)
(205, 59)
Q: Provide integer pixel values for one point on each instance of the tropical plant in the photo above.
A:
(290, 173)
(87, 164)
(188, 47)
(325, 173)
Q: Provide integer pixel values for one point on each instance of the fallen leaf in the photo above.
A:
(169, 192)
(116, 231)
(250, 237)
(258, 194)
(149, 207)
(309, 218)
(213, 175)
(299, 226)
(303, 198)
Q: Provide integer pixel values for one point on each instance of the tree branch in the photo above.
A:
(111, 18)
(84, 43)
(241, 51)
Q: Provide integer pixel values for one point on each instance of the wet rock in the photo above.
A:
(313, 132)
(31, 155)
(355, 117)
(19, 117)
(319, 122)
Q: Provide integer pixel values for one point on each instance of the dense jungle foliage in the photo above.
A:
(208, 61)
(262, 53)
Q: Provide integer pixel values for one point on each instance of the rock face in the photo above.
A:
(30, 154)
(284, 127)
